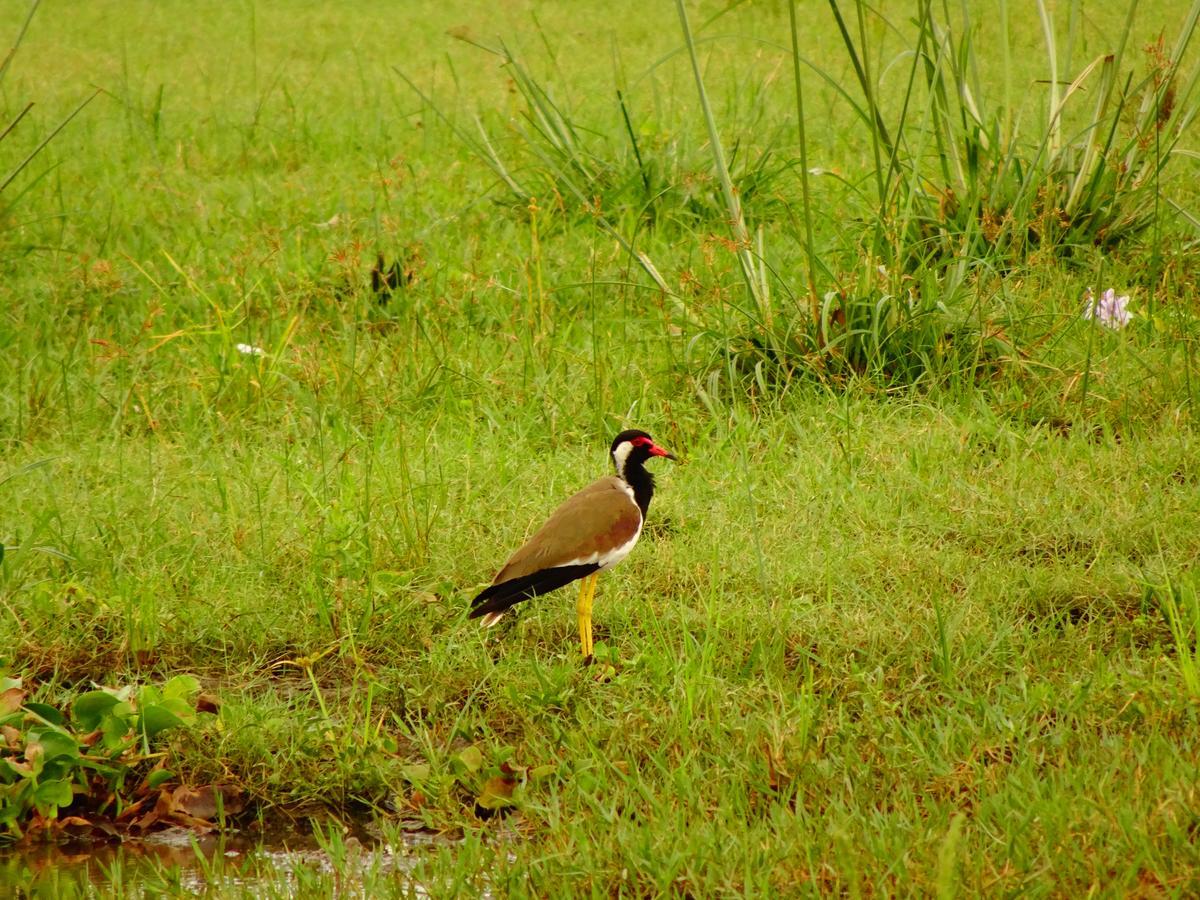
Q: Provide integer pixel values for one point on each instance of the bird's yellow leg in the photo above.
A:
(591, 597)
(587, 591)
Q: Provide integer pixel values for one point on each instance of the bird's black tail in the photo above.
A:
(507, 594)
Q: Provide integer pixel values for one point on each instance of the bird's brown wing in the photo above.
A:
(601, 517)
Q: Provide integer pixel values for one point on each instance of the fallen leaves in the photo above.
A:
(199, 809)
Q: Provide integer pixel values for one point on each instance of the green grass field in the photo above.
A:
(918, 622)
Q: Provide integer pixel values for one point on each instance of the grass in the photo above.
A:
(880, 637)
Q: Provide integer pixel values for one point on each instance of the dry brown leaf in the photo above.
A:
(11, 700)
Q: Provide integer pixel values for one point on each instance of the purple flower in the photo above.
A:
(1110, 310)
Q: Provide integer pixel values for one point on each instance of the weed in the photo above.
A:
(94, 770)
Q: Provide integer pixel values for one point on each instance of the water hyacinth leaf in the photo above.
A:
(12, 770)
(117, 725)
(47, 713)
(123, 710)
(10, 719)
(156, 719)
(61, 766)
(54, 744)
(53, 793)
(149, 694)
(497, 794)
(415, 773)
(89, 709)
(181, 708)
(470, 759)
(181, 687)
(10, 810)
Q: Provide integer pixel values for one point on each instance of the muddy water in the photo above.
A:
(275, 862)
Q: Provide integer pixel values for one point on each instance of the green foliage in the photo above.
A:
(960, 177)
(961, 196)
(622, 176)
(1178, 601)
(478, 785)
(96, 762)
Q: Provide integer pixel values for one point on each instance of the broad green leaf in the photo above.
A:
(470, 759)
(49, 713)
(149, 694)
(537, 773)
(89, 709)
(157, 718)
(123, 710)
(181, 687)
(115, 728)
(416, 773)
(12, 770)
(62, 766)
(181, 708)
(53, 793)
(54, 743)
(497, 793)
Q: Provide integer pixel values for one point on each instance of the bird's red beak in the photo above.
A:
(656, 450)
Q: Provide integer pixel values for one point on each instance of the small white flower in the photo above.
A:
(1110, 310)
(249, 350)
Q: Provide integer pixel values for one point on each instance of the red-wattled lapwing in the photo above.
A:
(591, 532)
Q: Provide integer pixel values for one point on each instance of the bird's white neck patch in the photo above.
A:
(620, 456)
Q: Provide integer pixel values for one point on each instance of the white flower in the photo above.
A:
(1110, 310)
(249, 350)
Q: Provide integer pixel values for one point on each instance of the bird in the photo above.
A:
(591, 531)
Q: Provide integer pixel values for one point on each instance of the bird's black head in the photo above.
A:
(630, 449)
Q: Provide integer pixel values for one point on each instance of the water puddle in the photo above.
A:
(276, 861)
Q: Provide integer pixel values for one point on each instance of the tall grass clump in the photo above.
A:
(634, 176)
(1178, 601)
(964, 173)
(961, 194)
(874, 319)
(627, 171)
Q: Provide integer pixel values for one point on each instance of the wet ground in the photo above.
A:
(276, 861)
